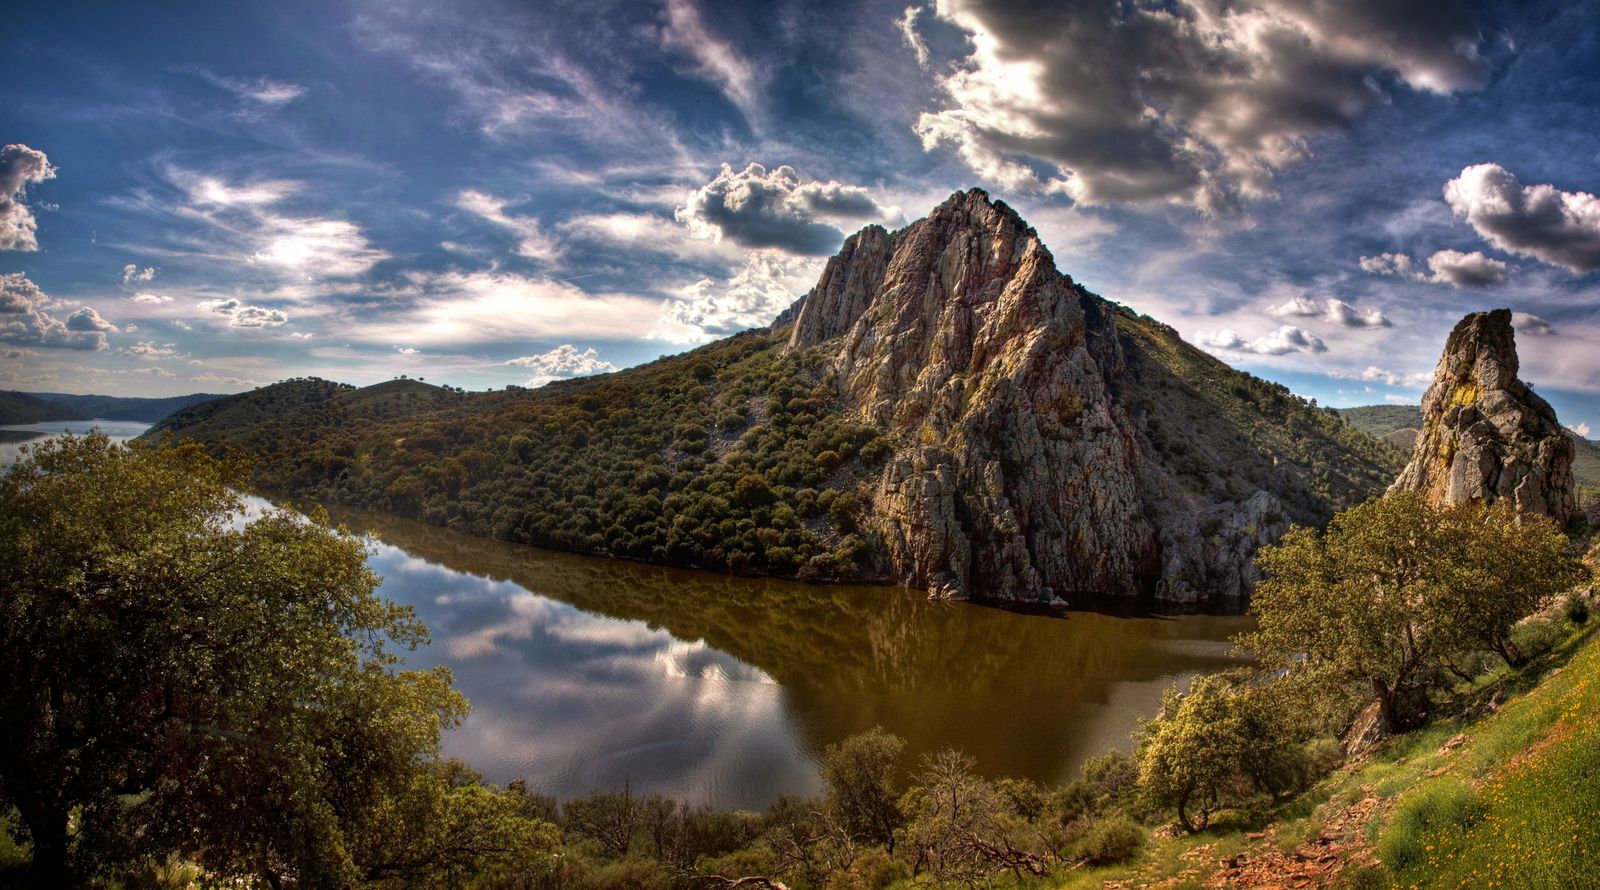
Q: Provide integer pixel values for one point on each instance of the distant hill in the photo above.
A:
(21, 407)
(123, 407)
(964, 420)
(1399, 424)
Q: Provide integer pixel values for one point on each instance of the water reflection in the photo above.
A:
(587, 673)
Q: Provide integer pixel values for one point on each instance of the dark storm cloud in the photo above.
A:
(1199, 102)
(756, 208)
(1539, 221)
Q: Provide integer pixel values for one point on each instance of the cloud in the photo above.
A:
(242, 215)
(1280, 342)
(1332, 310)
(20, 167)
(1451, 267)
(25, 321)
(1375, 374)
(752, 297)
(242, 316)
(1532, 325)
(532, 240)
(265, 92)
(563, 362)
(493, 306)
(907, 23)
(153, 299)
(756, 208)
(1539, 221)
(86, 320)
(333, 248)
(715, 59)
(1193, 101)
(146, 349)
(132, 273)
(1466, 269)
(227, 381)
(1582, 429)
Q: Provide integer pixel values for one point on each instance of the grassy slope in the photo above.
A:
(20, 407)
(1508, 797)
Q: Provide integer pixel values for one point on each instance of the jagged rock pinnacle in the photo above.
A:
(1485, 434)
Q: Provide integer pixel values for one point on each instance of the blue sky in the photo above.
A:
(212, 197)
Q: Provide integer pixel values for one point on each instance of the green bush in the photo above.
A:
(1536, 636)
(1111, 839)
(1435, 805)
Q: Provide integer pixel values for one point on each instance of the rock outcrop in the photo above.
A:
(1486, 436)
(1019, 476)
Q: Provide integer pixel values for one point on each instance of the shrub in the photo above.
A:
(859, 775)
(1112, 775)
(1535, 637)
(1111, 839)
(1576, 608)
(1436, 805)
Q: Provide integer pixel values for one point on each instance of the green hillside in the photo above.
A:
(21, 407)
(148, 410)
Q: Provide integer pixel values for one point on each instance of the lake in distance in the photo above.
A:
(594, 674)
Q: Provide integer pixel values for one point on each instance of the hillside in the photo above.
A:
(1399, 425)
(21, 407)
(147, 410)
(1064, 446)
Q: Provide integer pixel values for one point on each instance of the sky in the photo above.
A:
(212, 197)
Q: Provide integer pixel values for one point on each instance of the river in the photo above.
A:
(588, 673)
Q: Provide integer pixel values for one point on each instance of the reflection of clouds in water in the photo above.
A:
(573, 701)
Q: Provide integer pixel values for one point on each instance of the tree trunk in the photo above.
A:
(1183, 815)
(47, 829)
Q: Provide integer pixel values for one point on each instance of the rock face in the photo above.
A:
(1485, 435)
(1019, 477)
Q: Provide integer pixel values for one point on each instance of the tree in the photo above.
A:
(861, 797)
(178, 682)
(1196, 749)
(1396, 588)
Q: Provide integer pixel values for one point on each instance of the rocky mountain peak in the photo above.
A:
(1485, 434)
(1018, 476)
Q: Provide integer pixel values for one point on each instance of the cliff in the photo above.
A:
(1020, 475)
(1485, 434)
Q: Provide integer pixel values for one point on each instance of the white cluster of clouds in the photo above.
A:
(758, 208)
(1375, 374)
(20, 167)
(1282, 341)
(1452, 267)
(131, 273)
(243, 316)
(149, 350)
(1582, 429)
(763, 287)
(26, 319)
(1194, 102)
(1539, 221)
(1331, 310)
(562, 362)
